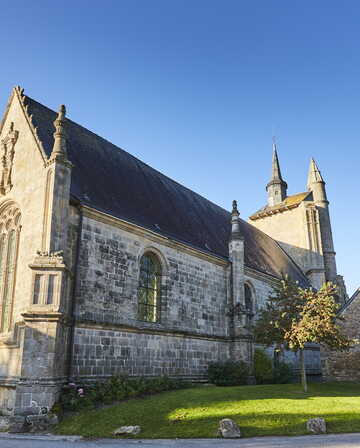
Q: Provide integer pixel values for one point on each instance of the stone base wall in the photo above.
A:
(37, 397)
(345, 366)
(7, 398)
(31, 397)
(341, 366)
(102, 353)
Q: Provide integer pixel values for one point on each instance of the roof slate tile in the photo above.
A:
(111, 180)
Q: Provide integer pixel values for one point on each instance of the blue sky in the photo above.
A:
(197, 89)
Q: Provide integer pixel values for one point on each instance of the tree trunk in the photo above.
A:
(303, 371)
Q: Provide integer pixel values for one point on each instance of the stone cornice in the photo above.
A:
(42, 315)
(252, 273)
(160, 239)
(265, 213)
(153, 236)
(315, 271)
(60, 160)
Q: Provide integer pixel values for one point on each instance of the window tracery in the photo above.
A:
(10, 225)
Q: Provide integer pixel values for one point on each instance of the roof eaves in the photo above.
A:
(157, 232)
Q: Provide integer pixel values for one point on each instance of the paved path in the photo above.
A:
(325, 441)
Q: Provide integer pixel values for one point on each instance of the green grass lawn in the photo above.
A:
(258, 410)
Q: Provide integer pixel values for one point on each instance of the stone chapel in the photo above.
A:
(108, 266)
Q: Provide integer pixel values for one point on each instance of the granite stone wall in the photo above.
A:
(345, 366)
(193, 305)
(29, 176)
(102, 353)
(193, 291)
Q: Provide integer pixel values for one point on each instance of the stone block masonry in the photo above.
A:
(102, 353)
(193, 291)
(193, 327)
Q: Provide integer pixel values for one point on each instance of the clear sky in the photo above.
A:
(197, 88)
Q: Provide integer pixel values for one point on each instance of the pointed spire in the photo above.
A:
(235, 223)
(277, 187)
(314, 174)
(59, 148)
(275, 168)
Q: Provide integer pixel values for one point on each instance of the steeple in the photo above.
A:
(59, 148)
(277, 187)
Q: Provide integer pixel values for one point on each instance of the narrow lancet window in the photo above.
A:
(249, 304)
(149, 292)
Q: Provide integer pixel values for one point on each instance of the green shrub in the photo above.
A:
(282, 373)
(228, 373)
(263, 367)
(75, 397)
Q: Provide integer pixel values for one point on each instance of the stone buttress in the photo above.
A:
(242, 340)
(47, 323)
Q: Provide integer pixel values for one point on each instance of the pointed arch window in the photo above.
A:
(249, 304)
(149, 291)
(10, 225)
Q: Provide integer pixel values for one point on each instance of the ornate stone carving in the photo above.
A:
(57, 254)
(7, 152)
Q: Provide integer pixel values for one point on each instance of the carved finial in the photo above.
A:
(20, 90)
(62, 111)
(235, 210)
(235, 223)
(59, 148)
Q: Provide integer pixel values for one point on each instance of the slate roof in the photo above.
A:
(289, 202)
(111, 180)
